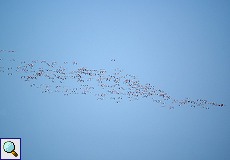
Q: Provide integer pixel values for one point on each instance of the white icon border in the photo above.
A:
(17, 149)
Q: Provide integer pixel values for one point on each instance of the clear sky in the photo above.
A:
(179, 46)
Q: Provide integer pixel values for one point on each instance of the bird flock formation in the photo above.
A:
(69, 78)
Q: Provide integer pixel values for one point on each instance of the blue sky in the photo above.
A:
(181, 47)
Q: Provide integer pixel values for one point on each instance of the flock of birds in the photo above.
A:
(54, 77)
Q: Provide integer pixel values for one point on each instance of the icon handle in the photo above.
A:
(14, 153)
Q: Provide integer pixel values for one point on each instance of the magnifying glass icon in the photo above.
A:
(9, 147)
